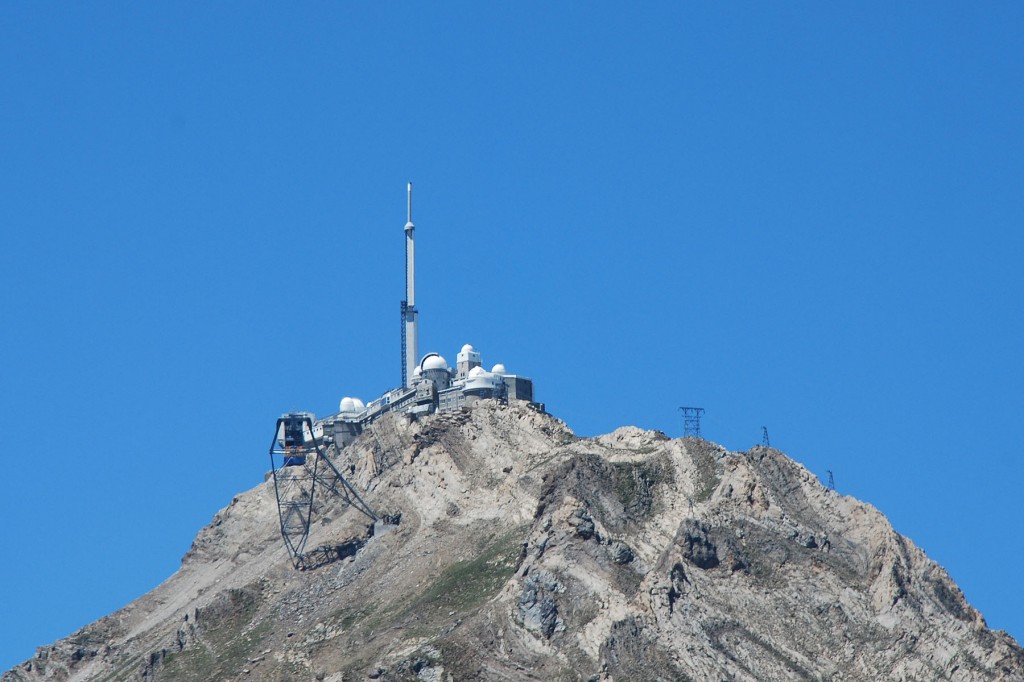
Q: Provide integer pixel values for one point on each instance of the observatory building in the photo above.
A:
(428, 385)
(431, 385)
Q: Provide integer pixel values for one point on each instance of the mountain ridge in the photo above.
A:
(522, 551)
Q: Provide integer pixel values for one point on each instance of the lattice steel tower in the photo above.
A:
(691, 421)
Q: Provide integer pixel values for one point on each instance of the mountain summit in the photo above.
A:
(514, 550)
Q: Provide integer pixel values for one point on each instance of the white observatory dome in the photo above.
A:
(360, 405)
(468, 354)
(347, 405)
(498, 369)
(433, 361)
(417, 372)
(479, 379)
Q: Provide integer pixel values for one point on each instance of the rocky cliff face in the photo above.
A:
(522, 552)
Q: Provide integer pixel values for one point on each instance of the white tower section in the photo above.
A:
(411, 315)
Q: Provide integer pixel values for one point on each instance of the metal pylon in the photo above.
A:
(691, 421)
(298, 466)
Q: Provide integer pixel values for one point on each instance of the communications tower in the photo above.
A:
(410, 326)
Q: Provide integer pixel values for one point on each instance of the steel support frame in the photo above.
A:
(296, 494)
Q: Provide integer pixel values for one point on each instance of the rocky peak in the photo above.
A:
(517, 551)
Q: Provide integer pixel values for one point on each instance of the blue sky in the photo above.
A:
(796, 215)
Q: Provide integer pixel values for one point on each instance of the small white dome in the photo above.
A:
(476, 371)
(433, 361)
(416, 372)
(347, 405)
(468, 354)
(498, 369)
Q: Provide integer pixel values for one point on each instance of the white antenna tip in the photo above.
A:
(409, 224)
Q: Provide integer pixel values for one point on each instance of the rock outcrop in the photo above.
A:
(521, 552)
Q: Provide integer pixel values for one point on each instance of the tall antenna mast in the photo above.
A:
(410, 328)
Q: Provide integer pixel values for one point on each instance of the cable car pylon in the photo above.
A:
(298, 465)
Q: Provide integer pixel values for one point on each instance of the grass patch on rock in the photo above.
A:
(634, 486)
(706, 477)
(228, 637)
(466, 584)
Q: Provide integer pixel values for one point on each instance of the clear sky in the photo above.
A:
(798, 215)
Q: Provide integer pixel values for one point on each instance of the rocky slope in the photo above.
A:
(525, 553)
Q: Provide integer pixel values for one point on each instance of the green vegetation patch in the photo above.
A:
(706, 478)
(223, 656)
(228, 637)
(467, 584)
(634, 484)
(349, 617)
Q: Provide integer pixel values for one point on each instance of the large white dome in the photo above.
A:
(350, 404)
(479, 379)
(433, 361)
